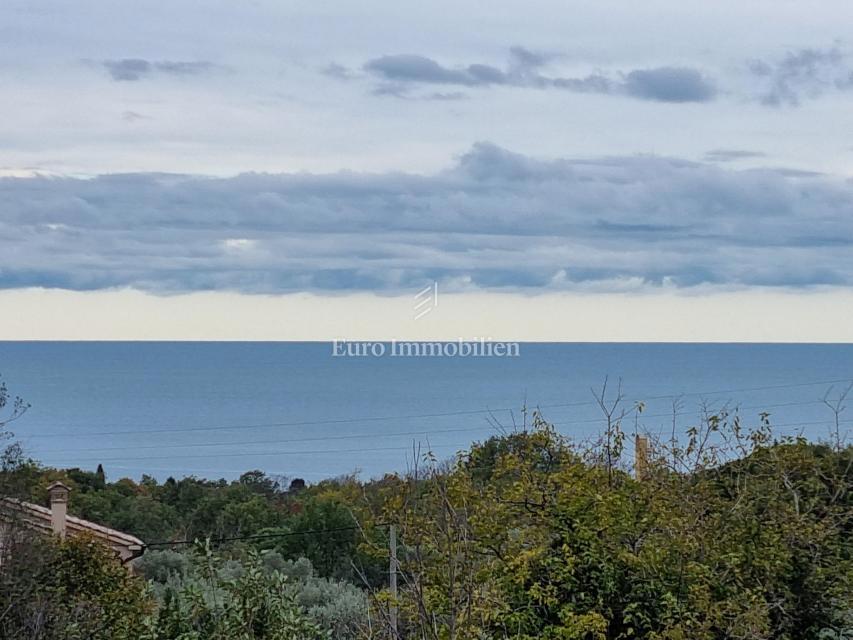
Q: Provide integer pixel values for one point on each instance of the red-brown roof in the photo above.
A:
(40, 518)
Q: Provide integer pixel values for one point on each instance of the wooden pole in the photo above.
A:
(392, 574)
(641, 457)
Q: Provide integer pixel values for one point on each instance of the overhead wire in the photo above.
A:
(301, 423)
(425, 432)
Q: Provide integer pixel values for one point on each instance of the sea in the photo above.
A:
(299, 410)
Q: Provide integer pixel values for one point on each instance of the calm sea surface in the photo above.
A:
(217, 409)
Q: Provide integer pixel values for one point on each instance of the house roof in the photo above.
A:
(40, 518)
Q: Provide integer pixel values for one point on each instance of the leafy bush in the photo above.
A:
(256, 605)
(161, 566)
(337, 607)
(70, 590)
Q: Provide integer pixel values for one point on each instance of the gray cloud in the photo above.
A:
(337, 71)
(446, 96)
(664, 84)
(729, 155)
(798, 75)
(128, 68)
(392, 89)
(670, 84)
(806, 73)
(414, 68)
(133, 116)
(183, 68)
(133, 69)
(594, 83)
(403, 91)
(529, 59)
(494, 219)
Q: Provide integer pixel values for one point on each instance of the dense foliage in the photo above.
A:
(531, 540)
(74, 590)
(190, 587)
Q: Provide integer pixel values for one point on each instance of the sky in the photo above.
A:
(336, 158)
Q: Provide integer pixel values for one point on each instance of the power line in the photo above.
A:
(744, 389)
(251, 453)
(179, 429)
(332, 451)
(424, 432)
(264, 425)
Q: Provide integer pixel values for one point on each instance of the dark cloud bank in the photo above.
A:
(495, 219)
(663, 84)
(786, 80)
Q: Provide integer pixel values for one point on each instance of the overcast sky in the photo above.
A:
(545, 147)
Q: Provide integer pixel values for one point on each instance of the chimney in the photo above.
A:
(641, 457)
(58, 507)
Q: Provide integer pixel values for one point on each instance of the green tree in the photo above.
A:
(733, 535)
(70, 590)
(331, 553)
